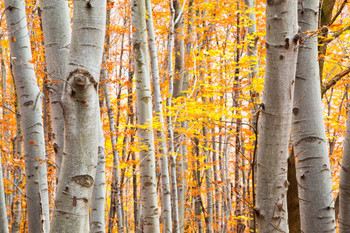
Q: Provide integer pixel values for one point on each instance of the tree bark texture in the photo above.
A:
(292, 197)
(115, 192)
(81, 117)
(158, 105)
(344, 185)
(30, 106)
(313, 169)
(57, 38)
(97, 220)
(276, 114)
(4, 228)
(149, 221)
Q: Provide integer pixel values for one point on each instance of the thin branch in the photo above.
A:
(334, 80)
(338, 12)
(335, 35)
(20, 191)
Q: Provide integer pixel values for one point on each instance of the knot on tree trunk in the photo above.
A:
(81, 79)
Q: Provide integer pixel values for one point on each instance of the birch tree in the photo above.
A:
(30, 106)
(313, 170)
(4, 228)
(57, 37)
(150, 221)
(276, 114)
(158, 106)
(97, 219)
(80, 108)
(3, 213)
(344, 186)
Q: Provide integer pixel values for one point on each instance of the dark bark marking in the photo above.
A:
(310, 139)
(28, 103)
(297, 38)
(84, 180)
(286, 46)
(55, 147)
(74, 201)
(295, 111)
(274, 2)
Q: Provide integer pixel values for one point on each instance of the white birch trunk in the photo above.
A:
(97, 221)
(313, 170)
(170, 127)
(150, 221)
(17, 152)
(208, 183)
(57, 37)
(116, 170)
(158, 105)
(276, 114)
(344, 184)
(3, 214)
(4, 228)
(81, 116)
(30, 105)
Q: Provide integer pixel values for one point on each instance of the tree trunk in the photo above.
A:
(115, 187)
(197, 181)
(166, 192)
(81, 116)
(30, 105)
(344, 185)
(276, 114)
(17, 153)
(292, 197)
(170, 127)
(97, 221)
(4, 228)
(3, 213)
(57, 38)
(208, 182)
(180, 71)
(313, 170)
(150, 221)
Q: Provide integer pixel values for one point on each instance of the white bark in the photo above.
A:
(3, 214)
(208, 184)
(81, 116)
(158, 105)
(150, 221)
(170, 127)
(97, 221)
(4, 228)
(115, 194)
(17, 152)
(344, 184)
(57, 37)
(276, 114)
(308, 135)
(30, 105)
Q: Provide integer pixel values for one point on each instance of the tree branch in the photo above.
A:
(336, 34)
(334, 80)
(338, 12)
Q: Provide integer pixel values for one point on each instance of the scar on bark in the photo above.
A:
(81, 78)
(84, 180)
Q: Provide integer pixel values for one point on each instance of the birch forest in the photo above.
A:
(174, 116)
